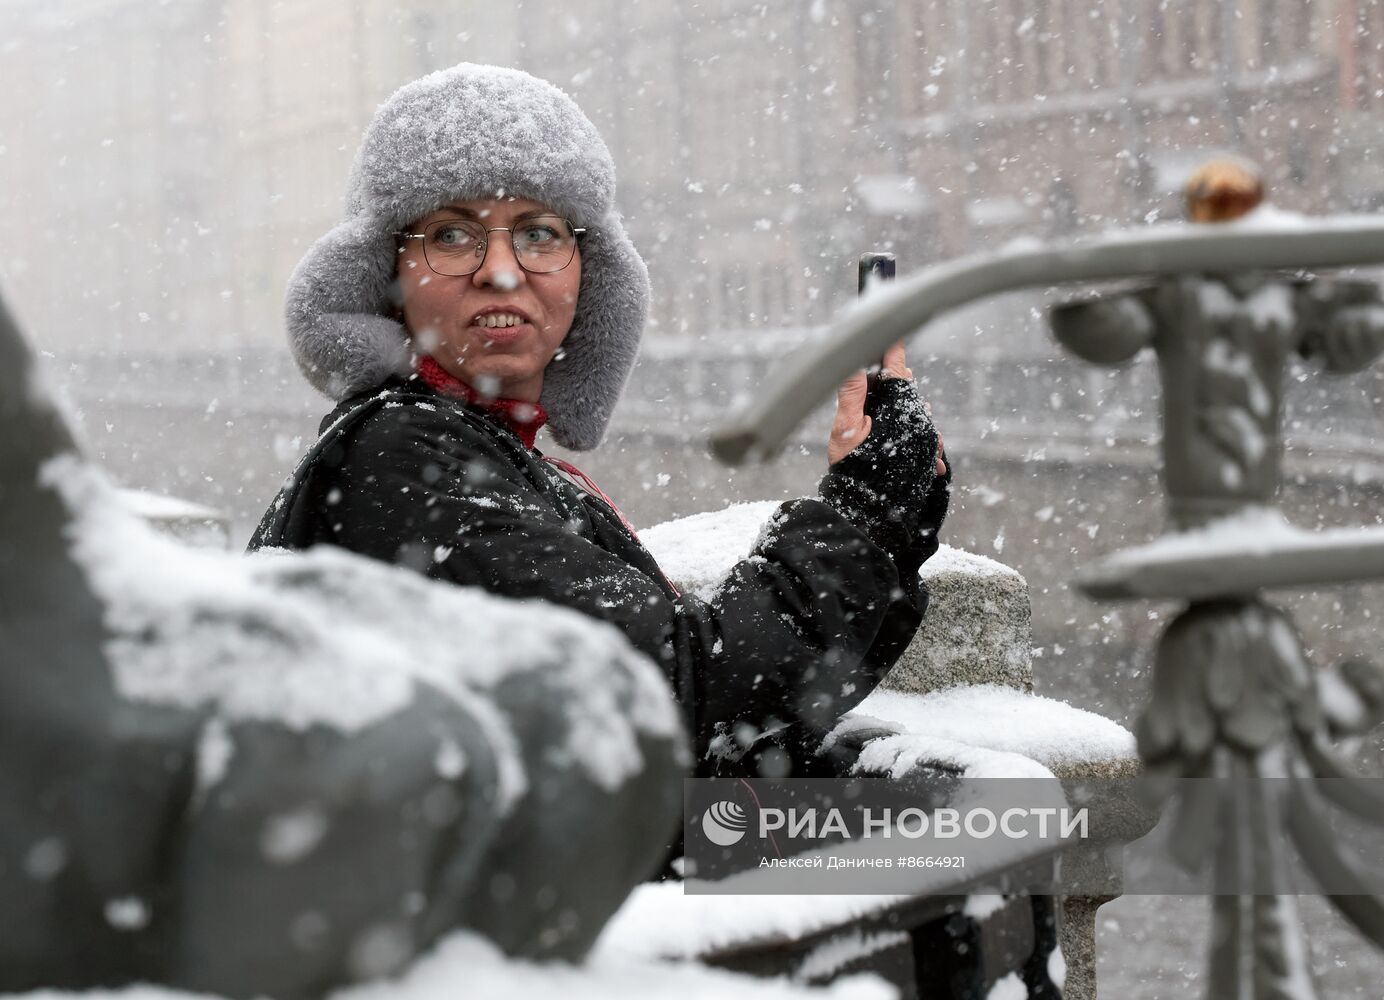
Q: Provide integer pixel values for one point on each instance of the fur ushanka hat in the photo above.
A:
(463, 133)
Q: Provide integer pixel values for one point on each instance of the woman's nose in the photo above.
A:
(499, 267)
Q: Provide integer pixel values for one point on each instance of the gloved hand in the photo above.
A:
(888, 484)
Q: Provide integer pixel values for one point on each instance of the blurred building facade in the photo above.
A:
(1359, 26)
(183, 155)
(163, 166)
(763, 145)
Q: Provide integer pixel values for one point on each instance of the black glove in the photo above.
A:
(888, 485)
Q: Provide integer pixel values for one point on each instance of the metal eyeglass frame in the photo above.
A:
(576, 231)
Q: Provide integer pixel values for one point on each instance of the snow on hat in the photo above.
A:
(463, 133)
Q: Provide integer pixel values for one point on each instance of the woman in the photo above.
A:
(482, 286)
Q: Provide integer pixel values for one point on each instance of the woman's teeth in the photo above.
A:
(498, 319)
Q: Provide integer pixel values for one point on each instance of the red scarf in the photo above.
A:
(524, 419)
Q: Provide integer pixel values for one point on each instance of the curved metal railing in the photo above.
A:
(900, 310)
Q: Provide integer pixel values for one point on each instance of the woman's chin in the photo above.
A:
(504, 381)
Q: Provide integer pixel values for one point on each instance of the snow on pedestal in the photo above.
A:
(192, 523)
(989, 731)
(697, 552)
(978, 629)
(961, 694)
(469, 966)
(978, 625)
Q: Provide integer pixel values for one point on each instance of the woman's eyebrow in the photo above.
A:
(468, 213)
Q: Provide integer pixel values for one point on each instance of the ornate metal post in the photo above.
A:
(1223, 307)
(1234, 696)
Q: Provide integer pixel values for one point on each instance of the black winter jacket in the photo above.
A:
(803, 629)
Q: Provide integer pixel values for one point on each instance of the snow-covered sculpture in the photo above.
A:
(276, 775)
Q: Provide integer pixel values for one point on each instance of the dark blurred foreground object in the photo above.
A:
(278, 775)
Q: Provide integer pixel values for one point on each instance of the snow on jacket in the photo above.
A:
(799, 633)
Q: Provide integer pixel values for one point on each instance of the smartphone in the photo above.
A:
(879, 266)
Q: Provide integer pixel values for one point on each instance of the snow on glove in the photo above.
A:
(888, 484)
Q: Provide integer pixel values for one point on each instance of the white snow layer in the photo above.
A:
(476, 968)
(975, 724)
(155, 507)
(834, 954)
(1010, 987)
(983, 905)
(1257, 529)
(464, 965)
(698, 551)
(330, 638)
(895, 756)
(660, 920)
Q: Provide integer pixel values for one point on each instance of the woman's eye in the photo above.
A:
(453, 236)
(537, 235)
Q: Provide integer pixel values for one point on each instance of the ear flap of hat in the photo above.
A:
(583, 383)
(337, 308)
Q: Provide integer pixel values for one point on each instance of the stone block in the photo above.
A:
(978, 628)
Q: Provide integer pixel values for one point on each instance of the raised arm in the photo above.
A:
(801, 630)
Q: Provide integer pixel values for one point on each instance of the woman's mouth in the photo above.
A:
(500, 327)
(499, 320)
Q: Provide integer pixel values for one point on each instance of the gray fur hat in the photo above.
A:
(471, 132)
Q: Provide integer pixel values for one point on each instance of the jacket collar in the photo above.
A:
(524, 419)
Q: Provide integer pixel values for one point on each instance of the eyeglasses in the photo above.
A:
(542, 244)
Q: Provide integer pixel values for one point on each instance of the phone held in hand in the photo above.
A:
(875, 266)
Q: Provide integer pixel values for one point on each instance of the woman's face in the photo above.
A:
(497, 328)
